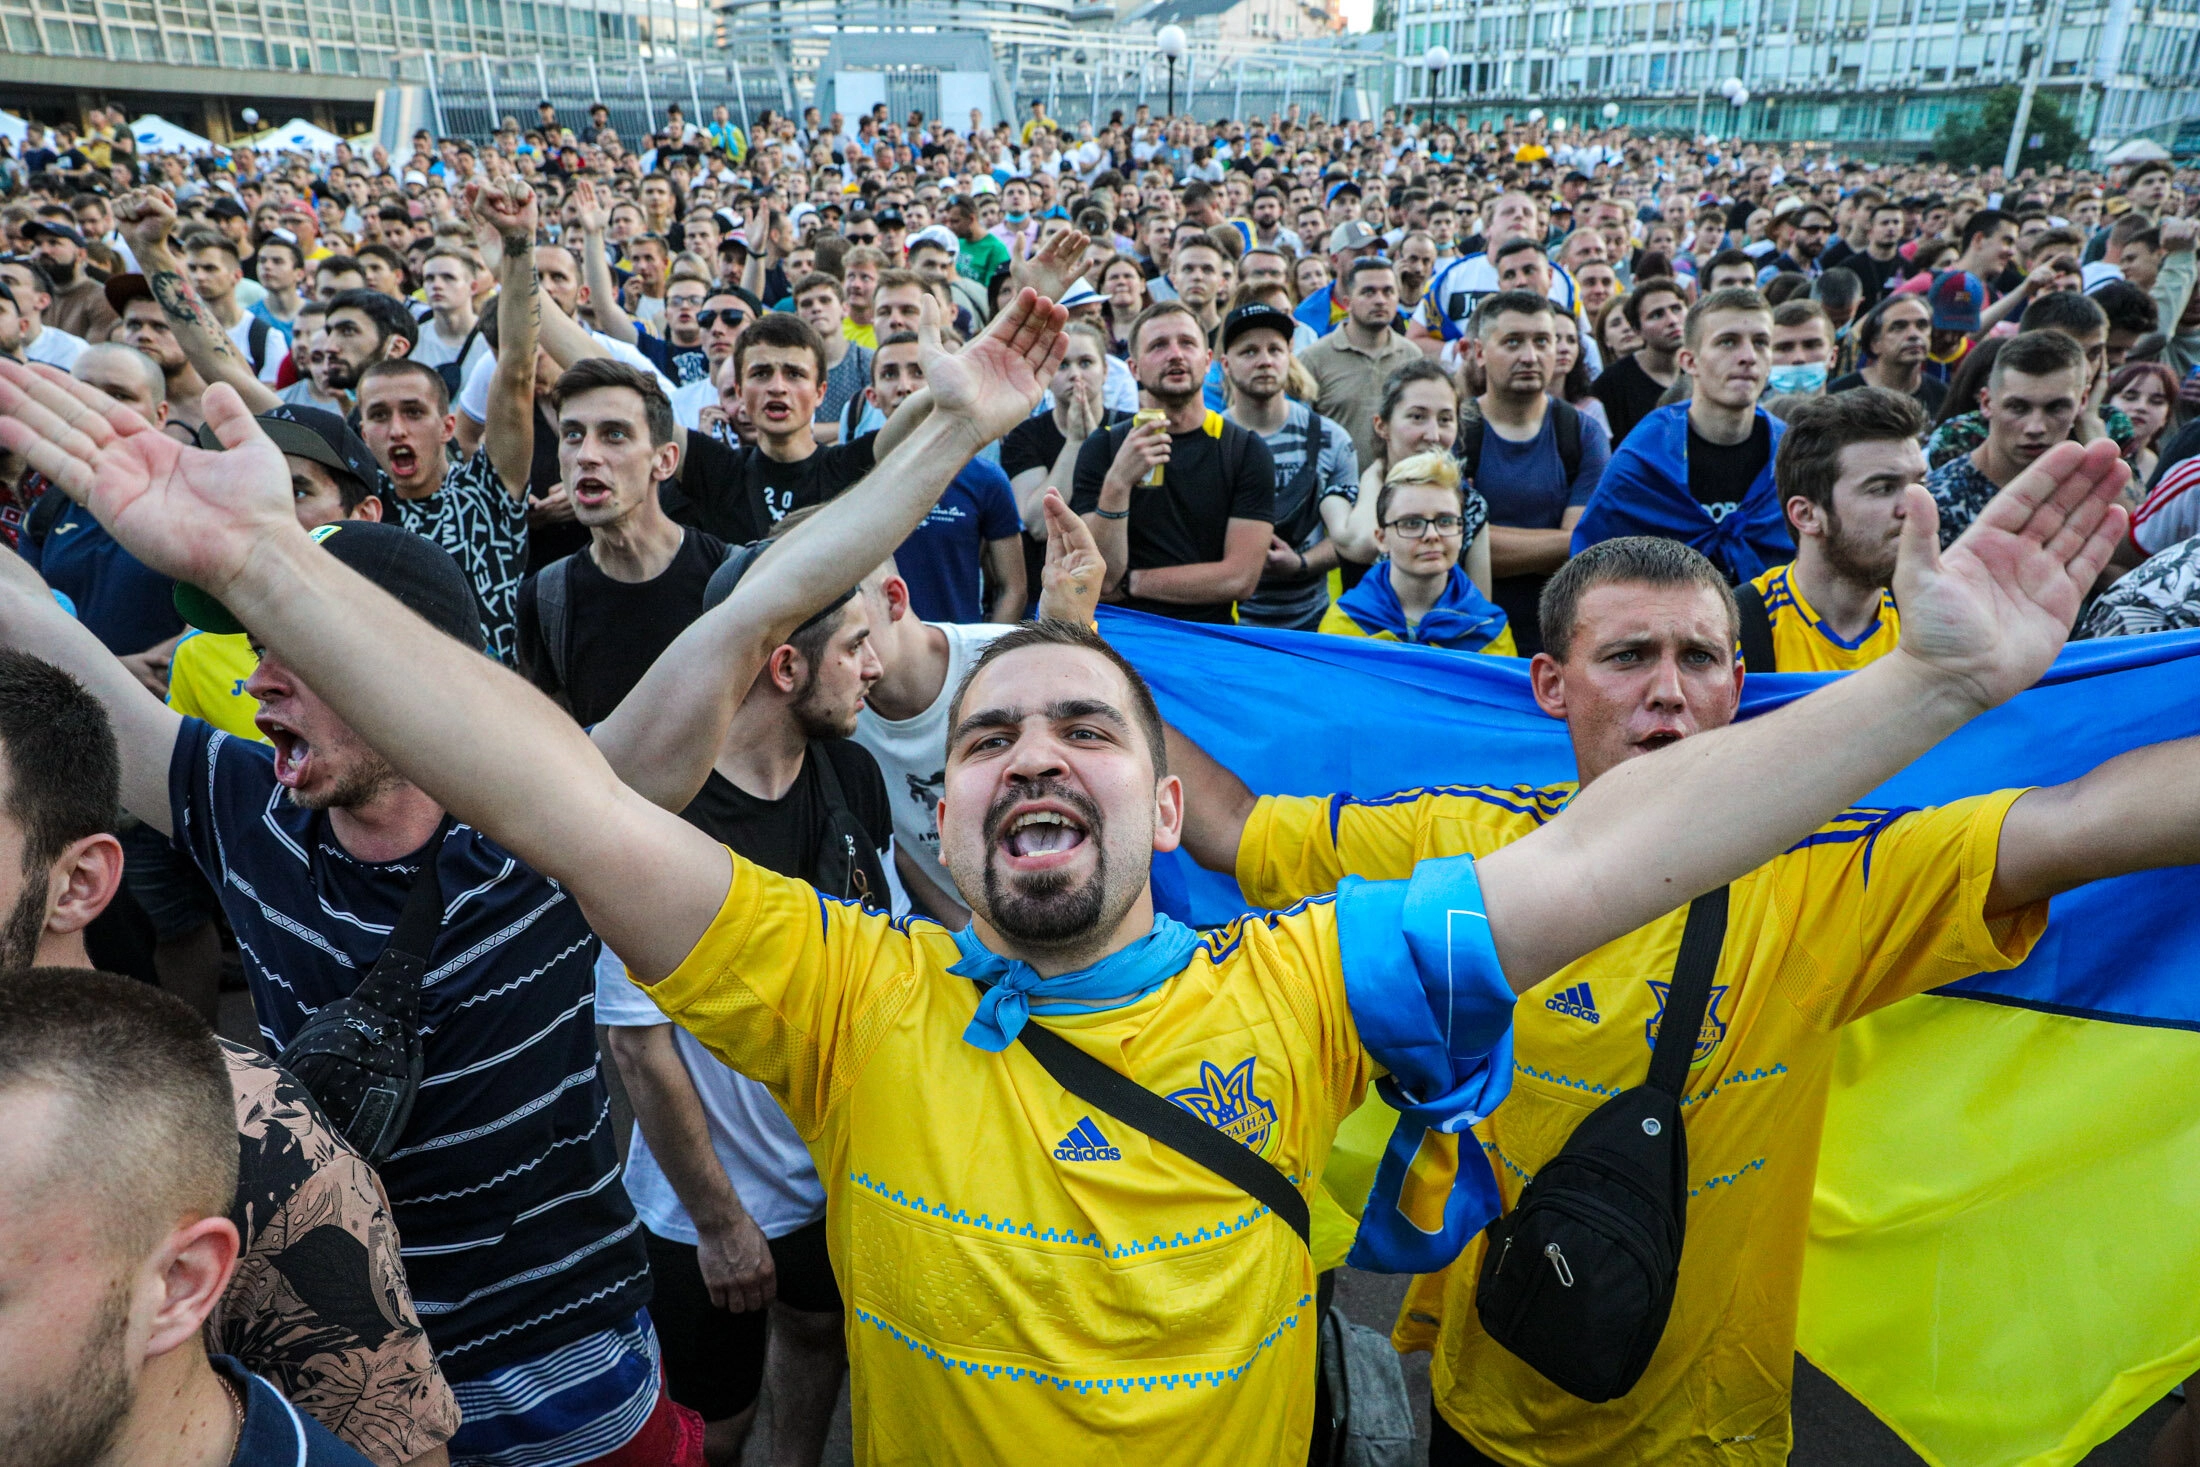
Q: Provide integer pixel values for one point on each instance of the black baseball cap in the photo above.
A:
(39, 227)
(317, 434)
(417, 571)
(1256, 316)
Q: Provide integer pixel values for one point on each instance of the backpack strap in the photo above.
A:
(1567, 425)
(1172, 1125)
(1758, 654)
(1702, 940)
(554, 615)
(45, 514)
(842, 871)
(255, 337)
(1470, 447)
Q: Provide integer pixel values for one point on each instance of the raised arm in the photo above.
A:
(1216, 804)
(663, 738)
(1978, 626)
(146, 216)
(445, 716)
(595, 262)
(507, 211)
(145, 727)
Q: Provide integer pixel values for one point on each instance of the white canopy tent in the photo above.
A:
(2136, 150)
(156, 134)
(13, 128)
(297, 136)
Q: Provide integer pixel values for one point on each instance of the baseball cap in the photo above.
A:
(39, 228)
(123, 289)
(226, 207)
(938, 234)
(1342, 186)
(417, 571)
(1957, 298)
(1789, 205)
(1353, 234)
(316, 434)
(1256, 316)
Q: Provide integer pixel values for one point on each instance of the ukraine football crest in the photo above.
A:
(1227, 1102)
(1707, 1038)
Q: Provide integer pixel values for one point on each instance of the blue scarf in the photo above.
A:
(1462, 618)
(1013, 989)
(1645, 491)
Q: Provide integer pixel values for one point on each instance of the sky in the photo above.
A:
(1357, 13)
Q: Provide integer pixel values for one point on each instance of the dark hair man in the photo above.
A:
(590, 624)
(216, 270)
(1701, 471)
(1057, 793)
(1630, 387)
(1843, 472)
(1879, 263)
(1892, 342)
(1639, 636)
(1180, 500)
(1535, 460)
(1351, 363)
(1317, 471)
(2034, 397)
(1729, 269)
(79, 304)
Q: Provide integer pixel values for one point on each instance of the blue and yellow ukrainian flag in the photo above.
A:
(2004, 1260)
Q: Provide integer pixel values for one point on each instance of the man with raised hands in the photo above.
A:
(1005, 1286)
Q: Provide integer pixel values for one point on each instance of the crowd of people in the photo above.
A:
(595, 612)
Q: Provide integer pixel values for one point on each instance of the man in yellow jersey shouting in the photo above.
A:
(1872, 907)
(1013, 1291)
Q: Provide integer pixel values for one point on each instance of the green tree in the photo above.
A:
(1982, 137)
(1384, 17)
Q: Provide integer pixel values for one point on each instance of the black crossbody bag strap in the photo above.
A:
(413, 938)
(1173, 1126)
(1701, 941)
(1758, 654)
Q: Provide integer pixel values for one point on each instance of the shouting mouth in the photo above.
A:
(293, 755)
(591, 493)
(404, 462)
(1041, 837)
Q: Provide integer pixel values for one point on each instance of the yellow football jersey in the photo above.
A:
(1024, 1275)
(206, 680)
(1877, 905)
(1803, 642)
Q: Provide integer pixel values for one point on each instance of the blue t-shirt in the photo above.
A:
(942, 557)
(1525, 483)
(504, 1185)
(276, 1433)
(127, 604)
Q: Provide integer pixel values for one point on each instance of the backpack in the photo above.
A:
(1578, 1279)
(1565, 417)
(453, 372)
(256, 336)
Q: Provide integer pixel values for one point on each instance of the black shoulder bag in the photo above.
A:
(847, 863)
(360, 1057)
(1578, 1279)
(1172, 1125)
(1758, 654)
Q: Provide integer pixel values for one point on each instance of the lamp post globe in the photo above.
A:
(1435, 59)
(1611, 111)
(1170, 42)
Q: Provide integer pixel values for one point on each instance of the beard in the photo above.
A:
(815, 715)
(1854, 560)
(24, 927)
(74, 1423)
(1050, 909)
(367, 779)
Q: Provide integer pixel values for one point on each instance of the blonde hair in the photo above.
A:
(1435, 469)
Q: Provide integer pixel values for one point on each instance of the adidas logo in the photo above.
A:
(1574, 1003)
(1085, 1143)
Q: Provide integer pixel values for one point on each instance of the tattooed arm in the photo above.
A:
(146, 216)
(509, 211)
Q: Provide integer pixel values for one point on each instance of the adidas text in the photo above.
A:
(1575, 1003)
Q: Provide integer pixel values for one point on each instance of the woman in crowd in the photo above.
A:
(2147, 393)
(1417, 415)
(1309, 273)
(1417, 592)
(1615, 338)
(1570, 378)
(1124, 284)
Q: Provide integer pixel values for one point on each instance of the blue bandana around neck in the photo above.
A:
(1462, 618)
(1013, 989)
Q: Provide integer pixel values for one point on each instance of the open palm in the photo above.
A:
(186, 512)
(1996, 608)
(994, 382)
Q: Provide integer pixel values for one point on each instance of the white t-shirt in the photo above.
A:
(434, 351)
(912, 754)
(770, 1168)
(473, 392)
(56, 348)
(688, 403)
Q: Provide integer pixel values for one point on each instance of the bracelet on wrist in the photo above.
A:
(1112, 514)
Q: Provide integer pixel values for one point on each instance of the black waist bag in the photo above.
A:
(359, 1057)
(1578, 1279)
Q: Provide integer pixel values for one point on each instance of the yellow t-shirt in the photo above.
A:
(1804, 643)
(1876, 906)
(1338, 624)
(1012, 1287)
(206, 680)
(863, 336)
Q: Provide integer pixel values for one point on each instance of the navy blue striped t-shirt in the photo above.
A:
(517, 1237)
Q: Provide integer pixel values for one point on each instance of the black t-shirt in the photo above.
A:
(1931, 391)
(1185, 520)
(738, 494)
(788, 835)
(1628, 394)
(1036, 443)
(552, 539)
(1719, 474)
(683, 364)
(614, 629)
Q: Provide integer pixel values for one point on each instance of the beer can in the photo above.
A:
(1140, 419)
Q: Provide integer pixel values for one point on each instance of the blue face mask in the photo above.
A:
(1016, 218)
(1797, 377)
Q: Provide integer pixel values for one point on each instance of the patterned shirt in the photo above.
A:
(1961, 490)
(1960, 435)
(485, 529)
(319, 1303)
(2162, 595)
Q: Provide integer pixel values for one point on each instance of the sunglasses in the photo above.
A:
(732, 315)
(866, 237)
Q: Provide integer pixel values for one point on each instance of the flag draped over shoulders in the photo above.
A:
(1645, 491)
(2001, 1262)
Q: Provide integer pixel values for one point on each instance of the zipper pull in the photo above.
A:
(1502, 1254)
(1558, 1262)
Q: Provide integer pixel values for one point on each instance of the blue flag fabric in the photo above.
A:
(1645, 491)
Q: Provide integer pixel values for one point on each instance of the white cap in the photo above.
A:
(938, 234)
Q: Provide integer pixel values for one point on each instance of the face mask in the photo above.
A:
(1797, 377)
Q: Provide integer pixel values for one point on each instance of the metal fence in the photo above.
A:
(469, 96)
(1079, 86)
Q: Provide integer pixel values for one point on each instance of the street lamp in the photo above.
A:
(1730, 86)
(1435, 58)
(1611, 112)
(1169, 41)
